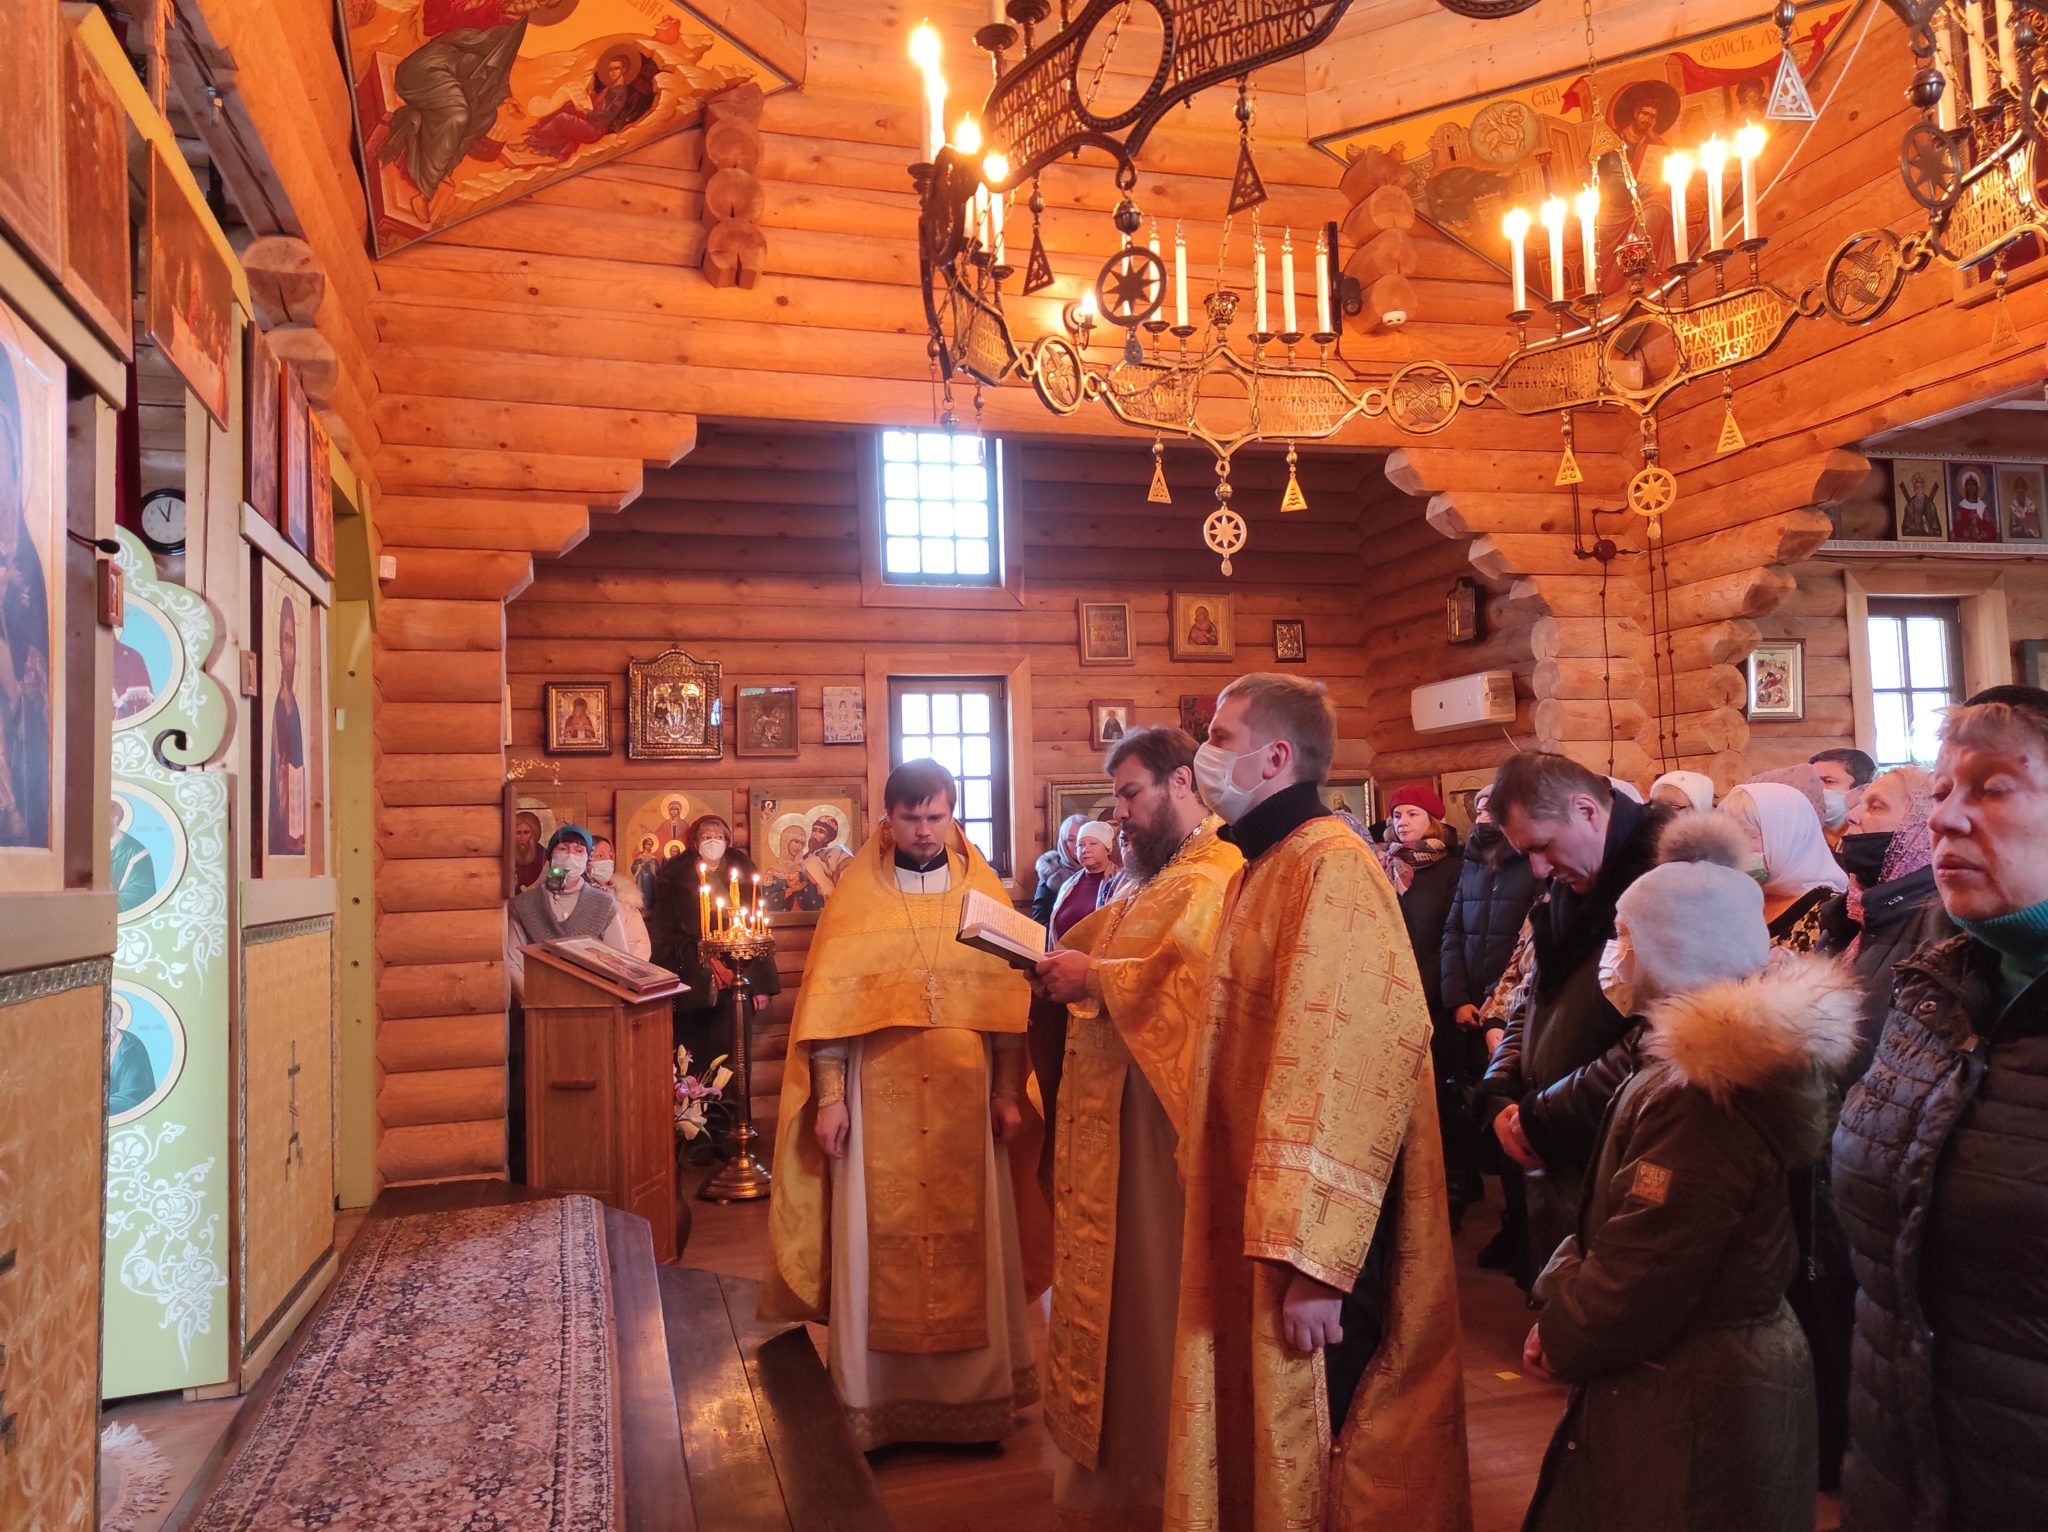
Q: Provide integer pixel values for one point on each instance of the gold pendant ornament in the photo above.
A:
(1294, 499)
(1789, 99)
(1732, 439)
(1568, 470)
(1651, 493)
(1224, 532)
(1159, 494)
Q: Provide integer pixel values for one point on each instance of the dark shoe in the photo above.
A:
(1498, 1253)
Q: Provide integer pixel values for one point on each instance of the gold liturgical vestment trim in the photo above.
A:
(927, 1194)
(1146, 1005)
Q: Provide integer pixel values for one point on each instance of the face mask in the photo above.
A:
(711, 851)
(601, 870)
(577, 862)
(1753, 864)
(1837, 808)
(1862, 855)
(1216, 775)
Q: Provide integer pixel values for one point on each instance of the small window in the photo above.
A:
(958, 722)
(1916, 670)
(941, 514)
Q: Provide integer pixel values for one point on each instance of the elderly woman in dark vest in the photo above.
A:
(1941, 1163)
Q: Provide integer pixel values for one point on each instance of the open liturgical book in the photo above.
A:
(994, 927)
(621, 968)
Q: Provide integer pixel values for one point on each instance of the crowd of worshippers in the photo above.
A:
(1764, 1080)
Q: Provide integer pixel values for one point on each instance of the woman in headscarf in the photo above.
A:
(1059, 863)
(1046, 1024)
(1082, 894)
(1789, 856)
(1683, 790)
(702, 1023)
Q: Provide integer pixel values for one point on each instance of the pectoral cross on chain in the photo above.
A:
(931, 996)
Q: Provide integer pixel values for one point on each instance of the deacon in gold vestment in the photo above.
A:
(1318, 1299)
(1133, 979)
(896, 1217)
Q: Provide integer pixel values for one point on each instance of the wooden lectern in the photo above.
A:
(600, 1092)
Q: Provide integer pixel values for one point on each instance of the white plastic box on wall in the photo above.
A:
(1464, 703)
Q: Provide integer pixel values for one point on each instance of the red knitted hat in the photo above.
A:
(1422, 796)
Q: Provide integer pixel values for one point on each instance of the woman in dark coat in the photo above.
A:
(703, 1019)
(1692, 1392)
(1421, 856)
(1941, 1163)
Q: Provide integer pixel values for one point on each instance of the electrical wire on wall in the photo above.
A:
(1663, 655)
(1605, 550)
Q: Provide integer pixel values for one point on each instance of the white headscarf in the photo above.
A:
(1626, 789)
(1697, 787)
(1095, 829)
(1796, 855)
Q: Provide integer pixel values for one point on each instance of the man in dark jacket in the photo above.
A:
(1941, 1163)
(1558, 1065)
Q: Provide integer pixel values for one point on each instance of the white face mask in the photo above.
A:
(576, 862)
(711, 851)
(601, 870)
(1216, 776)
(1837, 803)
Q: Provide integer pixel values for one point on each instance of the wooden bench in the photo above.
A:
(764, 1435)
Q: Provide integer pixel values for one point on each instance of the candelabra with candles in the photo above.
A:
(734, 932)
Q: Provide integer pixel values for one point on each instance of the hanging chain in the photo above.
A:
(1108, 52)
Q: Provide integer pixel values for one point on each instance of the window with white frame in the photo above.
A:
(941, 511)
(959, 722)
(1916, 670)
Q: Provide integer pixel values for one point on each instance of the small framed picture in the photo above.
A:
(2020, 493)
(1108, 722)
(1972, 503)
(1200, 627)
(1777, 680)
(579, 717)
(1290, 642)
(767, 721)
(1091, 797)
(1919, 501)
(2034, 662)
(1106, 633)
(846, 716)
(1196, 714)
(1462, 623)
(1354, 798)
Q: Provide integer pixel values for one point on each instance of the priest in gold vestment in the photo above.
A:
(897, 1217)
(1317, 1379)
(1133, 977)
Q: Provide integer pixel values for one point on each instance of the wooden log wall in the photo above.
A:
(748, 553)
(1745, 523)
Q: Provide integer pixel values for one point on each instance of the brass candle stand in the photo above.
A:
(743, 1178)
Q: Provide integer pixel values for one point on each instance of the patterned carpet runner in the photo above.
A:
(462, 1374)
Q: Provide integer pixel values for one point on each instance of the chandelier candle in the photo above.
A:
(1323, 325)
(2008, 47)
(926, 51)
(1677, 172)
(1553, 224)
(1945, 61)
(1749, 143)
(1589, 249)
(1259, 284)
(1180, 278)
(1516, 227)
(1287, 283)
(1713, 160)
(1973, 44)
(994, 169)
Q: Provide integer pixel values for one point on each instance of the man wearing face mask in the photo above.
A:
(561, 904)
(1312, 1134)
(1844, 774)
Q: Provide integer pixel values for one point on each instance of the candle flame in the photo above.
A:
(926, 49)
(1516, 224)
(1588, 204)
(1086, 307)
(1553, 213)
(1749, 142)
(967, 137)
(1713, 157)
(996, 168)
(1677, 168)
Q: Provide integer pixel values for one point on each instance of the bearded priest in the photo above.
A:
(904, 1192)
(1132, 977)
(1317, 1378)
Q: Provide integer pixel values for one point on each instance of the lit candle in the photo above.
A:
(1086, 308)
(1553, 224)
(1152, 244)
(1323, 326)
(1259, 285)
(1678, 171)
(1180, 278)
(967, 139)
(1749, 143)
(1713, 160)
(757, 897)
(1287, 283)
(926, 51)
(996, 168)
(1588, 203)
(2008, 47)
(1945, 60)
(735, 888)
(703, 908)
(719, 910)
(1973, 44)
(1516, 227)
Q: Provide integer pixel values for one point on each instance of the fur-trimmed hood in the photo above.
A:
(1703, 835)
(1777, 1039)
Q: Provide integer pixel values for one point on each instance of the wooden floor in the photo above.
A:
(1007, 1488)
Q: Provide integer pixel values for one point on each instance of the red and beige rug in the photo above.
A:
(461, 1375)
